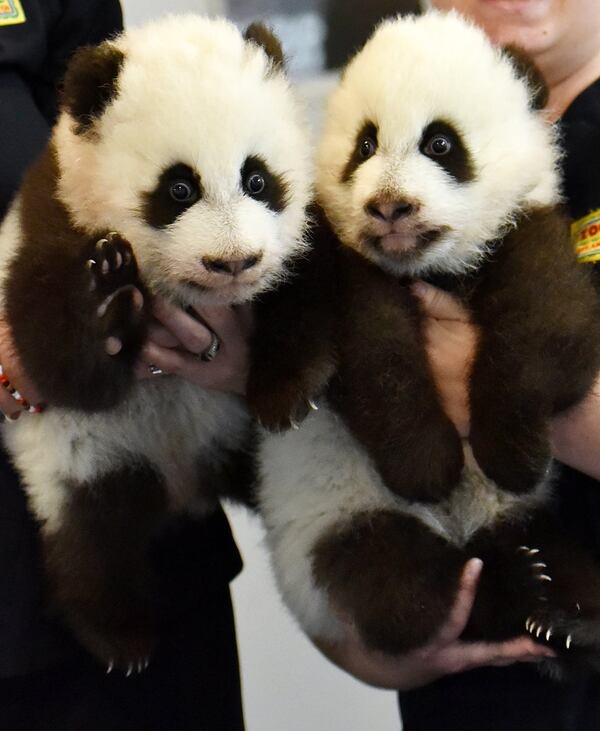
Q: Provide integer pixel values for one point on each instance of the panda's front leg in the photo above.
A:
(509, 419)
(97, 559)
(393, 577)
(80, 327)
(115, 285)
(113, 338)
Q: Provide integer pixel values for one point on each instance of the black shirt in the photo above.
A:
(33, 56)
(580, 494)
(581, 140)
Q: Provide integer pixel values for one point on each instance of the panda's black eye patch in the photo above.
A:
(177, 189)
(443, 144)
(365, 147)
(263, 185)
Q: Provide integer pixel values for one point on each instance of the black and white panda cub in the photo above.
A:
(435, 162)
(178, 165)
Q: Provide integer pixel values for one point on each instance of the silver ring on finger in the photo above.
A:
(155, 370)
(212, 350)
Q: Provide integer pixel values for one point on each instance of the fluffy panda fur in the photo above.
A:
(94, 224)
(374, 504)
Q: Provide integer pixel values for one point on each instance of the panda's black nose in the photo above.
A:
(388, 210)
(230, 266)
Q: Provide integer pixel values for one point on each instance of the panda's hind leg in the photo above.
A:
(537, 580)
(393, 577)
(98, 568)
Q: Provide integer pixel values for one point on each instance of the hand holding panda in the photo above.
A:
(435, 163)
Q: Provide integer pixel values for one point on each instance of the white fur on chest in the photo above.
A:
(172, 425)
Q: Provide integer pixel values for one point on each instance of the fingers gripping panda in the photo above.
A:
(178, 166)
(435, 163)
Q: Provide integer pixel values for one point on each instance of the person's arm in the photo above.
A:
(575, 435)
(13, 370)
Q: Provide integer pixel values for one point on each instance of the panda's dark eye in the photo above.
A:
(183, 191)
(255, 183)
(438, 145)
(367, 148)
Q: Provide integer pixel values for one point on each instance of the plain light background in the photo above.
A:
(287, 684)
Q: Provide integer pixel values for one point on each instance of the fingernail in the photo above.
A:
(474, 569)
(138, 299)
(112, 345)
(418, 288)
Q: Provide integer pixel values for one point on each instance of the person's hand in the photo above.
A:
(443, 655)
(451, 339)
(177, 340)
(14, 371)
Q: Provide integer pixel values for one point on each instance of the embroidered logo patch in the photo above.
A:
(585, 235)
(11, 12)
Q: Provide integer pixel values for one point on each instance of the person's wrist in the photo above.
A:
(17, 393)
(18, 401)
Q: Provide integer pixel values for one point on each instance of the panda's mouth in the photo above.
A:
(231, 291)
(407, 244)
(231, 288)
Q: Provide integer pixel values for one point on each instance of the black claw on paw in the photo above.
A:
(546, 624)
(279, 413)
(537, 570)
(136, 667)
(552, 627)
(112, 264)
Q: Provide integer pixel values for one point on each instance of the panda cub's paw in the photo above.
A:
(129, 652)
(112, 265)
(283, 408)
(116, 288)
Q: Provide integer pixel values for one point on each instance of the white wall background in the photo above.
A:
(287, 684)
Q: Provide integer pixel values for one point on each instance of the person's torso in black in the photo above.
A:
(579, 494)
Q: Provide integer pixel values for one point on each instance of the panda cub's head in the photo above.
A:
(184, 137)
(432, 145)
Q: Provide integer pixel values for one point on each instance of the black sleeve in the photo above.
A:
(581, 166)
(24, 132)
(33, 57)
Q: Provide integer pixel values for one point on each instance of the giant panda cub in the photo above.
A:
(436, 163)
(178, 166)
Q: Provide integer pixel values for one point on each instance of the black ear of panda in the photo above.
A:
(91, 83)
(265, 38)
(529, 72)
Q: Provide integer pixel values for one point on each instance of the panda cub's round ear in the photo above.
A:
(529, 72)
(91, 83)
(264, 37)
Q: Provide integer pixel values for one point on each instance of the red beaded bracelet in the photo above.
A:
(23, 403)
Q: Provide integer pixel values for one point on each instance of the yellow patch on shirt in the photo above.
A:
(585, 235)
(11, 12)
